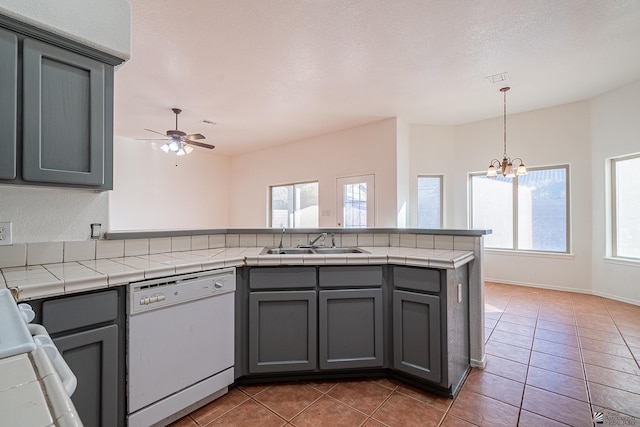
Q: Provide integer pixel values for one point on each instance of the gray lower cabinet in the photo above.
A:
(350, 328)
(93, 356)
(89, 331)
(411, 322)
(282, 331)
(416, 335)
(431, 324)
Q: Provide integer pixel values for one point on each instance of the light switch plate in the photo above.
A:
(6, 236)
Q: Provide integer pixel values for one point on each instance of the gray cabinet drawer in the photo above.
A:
(282, 278)
(70, 313)
(419, 279)
(350, 276)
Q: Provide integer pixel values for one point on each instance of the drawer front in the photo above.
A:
(350, 276)
(418, 279)
(282, 278)
(68, 313)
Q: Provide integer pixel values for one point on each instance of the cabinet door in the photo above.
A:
(8, 103)
(282, 331)
(93, 357)
(416, 335)
(63, 116)
(351, 330)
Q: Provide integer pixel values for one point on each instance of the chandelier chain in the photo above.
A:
(504, 121)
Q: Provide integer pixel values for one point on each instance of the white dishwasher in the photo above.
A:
(180, 344)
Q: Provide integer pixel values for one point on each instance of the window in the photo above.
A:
(529, 212)
(294, 205)
(356, 201)
(430, 201)
(625, 176)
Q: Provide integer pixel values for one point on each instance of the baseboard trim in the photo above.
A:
(481, 364)
(565, 289)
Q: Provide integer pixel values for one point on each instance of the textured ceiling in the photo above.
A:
(270, 72)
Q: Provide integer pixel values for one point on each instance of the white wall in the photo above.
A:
(432, 152)
(403, 171)
(558, 135)
(615, 131)
(369, 149)
(150, 192)
(52, 214)
(105, 25)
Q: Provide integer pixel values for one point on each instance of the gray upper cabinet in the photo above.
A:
(8, 103)
(63, 116)
(56, 110)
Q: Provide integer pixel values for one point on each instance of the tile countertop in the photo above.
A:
(41, 281)
(31, 393)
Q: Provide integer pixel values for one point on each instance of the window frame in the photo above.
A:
(441, 179)
(292, 184)
(514, 231)
(614, 206)
(370, 180)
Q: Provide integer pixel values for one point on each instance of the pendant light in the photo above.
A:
(505, 167)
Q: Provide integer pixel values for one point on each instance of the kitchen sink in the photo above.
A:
(310, 251)
(340, 251)
(286, 251)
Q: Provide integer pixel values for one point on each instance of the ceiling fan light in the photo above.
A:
(180, 152)
(174, 146)
(187, 149)
(165, 148)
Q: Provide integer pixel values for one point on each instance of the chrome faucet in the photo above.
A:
(322, 236)
(281, 236)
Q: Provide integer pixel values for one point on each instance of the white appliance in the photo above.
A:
(18, 335)
(180, 344)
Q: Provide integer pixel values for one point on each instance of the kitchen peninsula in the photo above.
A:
(417, 268)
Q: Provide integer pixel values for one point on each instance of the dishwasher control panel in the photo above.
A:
(167, 291)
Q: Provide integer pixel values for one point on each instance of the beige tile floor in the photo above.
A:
(553, 358)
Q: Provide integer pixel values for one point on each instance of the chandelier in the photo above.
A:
(506, 167)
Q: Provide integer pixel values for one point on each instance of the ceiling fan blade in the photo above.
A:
(159, 133)
(193, 136)
(200, 144)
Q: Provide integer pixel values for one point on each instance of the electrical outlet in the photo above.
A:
(6, 237)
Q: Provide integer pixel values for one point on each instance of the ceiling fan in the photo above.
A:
(178, 141)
